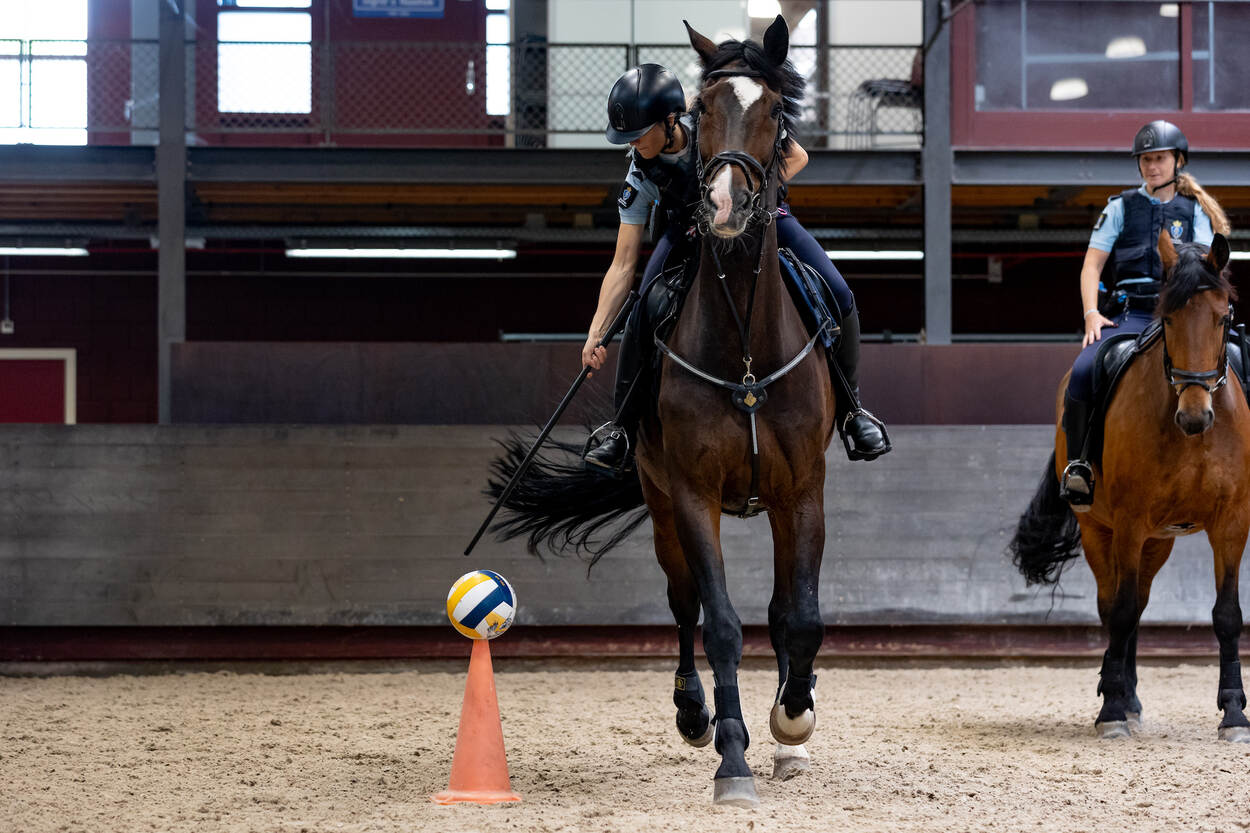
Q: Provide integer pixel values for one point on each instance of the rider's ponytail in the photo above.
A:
(1187, 186)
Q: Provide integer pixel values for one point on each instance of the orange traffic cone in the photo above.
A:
(479, 770)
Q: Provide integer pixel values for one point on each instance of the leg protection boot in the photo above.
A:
(609, 450)
(1077, 484)
(862, 433)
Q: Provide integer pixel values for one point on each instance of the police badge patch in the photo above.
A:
(628, 194)
(1102, 218)
(1176, 229)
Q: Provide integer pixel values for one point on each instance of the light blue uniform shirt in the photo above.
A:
(635, 207)
(1108, 231)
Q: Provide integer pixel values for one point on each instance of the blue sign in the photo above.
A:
(398, 8)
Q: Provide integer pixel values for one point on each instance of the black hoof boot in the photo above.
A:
(1077, 486)
(612, 455)
(863, 435)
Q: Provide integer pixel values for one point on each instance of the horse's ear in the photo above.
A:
(701, 44)
(1218, 255)
(777, 41)
(1167, 252)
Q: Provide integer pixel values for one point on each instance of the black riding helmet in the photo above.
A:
(1161, 135)
(640, 99)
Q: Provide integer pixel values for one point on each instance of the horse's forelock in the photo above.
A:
(1191, 275)
(783, 79)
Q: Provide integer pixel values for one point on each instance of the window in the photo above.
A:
(498, 58)
(1076, 56)
(264, 56)
(43, 72)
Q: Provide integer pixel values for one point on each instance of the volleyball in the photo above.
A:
(481, 604)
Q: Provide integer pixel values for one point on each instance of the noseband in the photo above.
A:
(1185, 379)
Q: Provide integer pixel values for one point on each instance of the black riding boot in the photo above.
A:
(1077, 485)
(614, 453)
(862, 433)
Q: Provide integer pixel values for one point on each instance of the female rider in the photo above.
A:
(646, 110)
(1128, 231)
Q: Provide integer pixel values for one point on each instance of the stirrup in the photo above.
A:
(605, 432)
(851, 451)
(1077, 485)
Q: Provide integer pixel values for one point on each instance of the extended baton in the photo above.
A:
(616, 327)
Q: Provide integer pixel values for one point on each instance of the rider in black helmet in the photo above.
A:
(646, 109)
(1127, 232)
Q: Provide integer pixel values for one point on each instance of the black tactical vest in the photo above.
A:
(676, 183)
(1135, 251)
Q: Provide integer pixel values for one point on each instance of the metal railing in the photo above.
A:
(407, 94)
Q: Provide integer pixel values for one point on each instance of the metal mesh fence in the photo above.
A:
(408, 94)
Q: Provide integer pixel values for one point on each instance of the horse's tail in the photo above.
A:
(564, 508)
(1048, 536)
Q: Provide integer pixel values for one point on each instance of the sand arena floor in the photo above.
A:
(898, 747)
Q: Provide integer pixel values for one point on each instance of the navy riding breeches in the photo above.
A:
(1081, 384)
(790, 235)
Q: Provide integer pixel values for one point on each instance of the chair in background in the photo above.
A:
(872, 95)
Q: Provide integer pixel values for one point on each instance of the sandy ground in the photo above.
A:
(898, 747)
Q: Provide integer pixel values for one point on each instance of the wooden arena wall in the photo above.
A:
(187, 525)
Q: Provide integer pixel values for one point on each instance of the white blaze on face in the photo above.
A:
(747, 92)
(721, 197)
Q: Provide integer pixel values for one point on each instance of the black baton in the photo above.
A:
(616, 327)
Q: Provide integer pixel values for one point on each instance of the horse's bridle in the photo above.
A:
(761, 175)
(1184, 379)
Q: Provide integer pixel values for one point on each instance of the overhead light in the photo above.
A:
(1069, 89)
(875, 254)
(763, 8)
(43, 251)
(1239, 255)
(451, 254)
(1169, 9)
(1127, 47)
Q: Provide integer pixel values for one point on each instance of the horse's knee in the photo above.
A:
(722, 632)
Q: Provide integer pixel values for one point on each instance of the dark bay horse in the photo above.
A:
(696, 453)
(1176, 460)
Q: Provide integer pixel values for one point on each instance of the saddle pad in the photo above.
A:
(808, 291)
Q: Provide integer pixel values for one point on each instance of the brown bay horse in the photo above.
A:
(1176, 460)
(743, 415)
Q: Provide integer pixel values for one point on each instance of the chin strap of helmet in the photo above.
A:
(1176, 172)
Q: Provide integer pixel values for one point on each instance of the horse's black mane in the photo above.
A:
(1191, 274)
(780, 79)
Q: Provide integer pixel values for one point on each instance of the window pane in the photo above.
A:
(269, 27)
(10, 92)
(58, 93)
(498, 86)
(1075, 55)
(498, 5)
(273, 74)
(264, 78)
(497, 28)
(28, 19)
(271, 4)
(1221, 62)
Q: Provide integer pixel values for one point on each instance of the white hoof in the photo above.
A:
(789, 761)
(735, 792)
(1235, 734)
(791, 731)
(1113, 729)
(1134, 721)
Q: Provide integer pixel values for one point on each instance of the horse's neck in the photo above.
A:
(709, 311)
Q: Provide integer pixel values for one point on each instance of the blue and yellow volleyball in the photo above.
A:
(481, 604)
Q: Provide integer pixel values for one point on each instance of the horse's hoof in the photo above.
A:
(789, 761)
(694, 739)
(1112, 729)
(735, 792)
(791, 731)
(1133, 721)
(1235, 734)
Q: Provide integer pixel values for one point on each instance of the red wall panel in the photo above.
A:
(32, 390)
